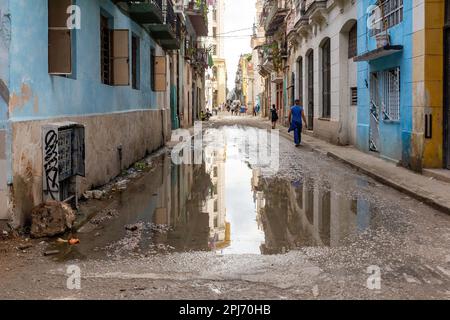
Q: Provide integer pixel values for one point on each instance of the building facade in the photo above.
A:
(400, 78)
(244, 81)
(216, 77)
(308, 55)
(257, 40)
(369, 73)
(191, 62)
(112, 71)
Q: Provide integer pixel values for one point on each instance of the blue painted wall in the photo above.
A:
(4, 57)
(395, 137)
(83, 93)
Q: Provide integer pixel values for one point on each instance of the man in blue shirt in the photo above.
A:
(296, 115)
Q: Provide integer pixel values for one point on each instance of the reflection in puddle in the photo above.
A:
(223, 205)
(299, 213)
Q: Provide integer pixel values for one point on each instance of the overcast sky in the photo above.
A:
(239, 14)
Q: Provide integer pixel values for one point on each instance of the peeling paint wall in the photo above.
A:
(137, 120)
(140, 133)
(36, 94)
(5, 37)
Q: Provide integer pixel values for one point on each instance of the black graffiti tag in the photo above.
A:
(51, 163)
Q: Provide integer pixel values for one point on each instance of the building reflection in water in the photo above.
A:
(224, 205)
(300, 213)
(240, 211)
(214, 205)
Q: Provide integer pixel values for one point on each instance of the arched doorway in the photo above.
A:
(310, 71)
(300, 79)
(326, 78)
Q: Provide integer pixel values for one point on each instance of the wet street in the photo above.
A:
(297, 226)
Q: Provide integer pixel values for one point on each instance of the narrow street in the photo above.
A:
(221, 151)
(227, 229)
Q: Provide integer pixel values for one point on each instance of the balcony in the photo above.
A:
(277, 12)
(290, 23)
(316, 10)
(267, 59)
(197, 11)
(200, 59)
(277, 77)
(143, 12)
(168, 32)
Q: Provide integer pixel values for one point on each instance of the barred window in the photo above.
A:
(354, 96)
(353, 42)
(386, 14)
(389, 93)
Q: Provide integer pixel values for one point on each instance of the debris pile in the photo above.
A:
(136, 236)
(51, 218)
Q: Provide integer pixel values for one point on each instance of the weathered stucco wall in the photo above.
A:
(137, 120)
(138, 132)
(5, 36)
(36, 94)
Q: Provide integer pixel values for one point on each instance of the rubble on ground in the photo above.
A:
(51, 218)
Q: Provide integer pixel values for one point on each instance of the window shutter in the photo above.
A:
(121, 57)
(57, 13)
(160, 73)
(59, 38)
(59, 52)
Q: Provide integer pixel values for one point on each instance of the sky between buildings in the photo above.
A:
(239, 14)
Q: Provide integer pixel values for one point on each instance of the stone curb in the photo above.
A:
(380, 178)
(399, 187)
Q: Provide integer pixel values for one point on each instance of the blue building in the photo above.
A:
(107, 66)
(384, 121)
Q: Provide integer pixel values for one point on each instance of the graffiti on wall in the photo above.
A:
(51, 174)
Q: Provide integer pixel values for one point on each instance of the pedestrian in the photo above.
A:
(243, 110)
(296, 115)
(274, 116)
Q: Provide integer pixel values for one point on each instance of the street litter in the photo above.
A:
(51, 252)
(71, 241)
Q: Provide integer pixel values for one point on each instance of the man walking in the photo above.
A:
(296, 115)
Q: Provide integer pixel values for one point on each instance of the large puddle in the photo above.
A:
(224, 205)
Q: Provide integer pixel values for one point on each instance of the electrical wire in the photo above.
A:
(234, 31)
(236, 36)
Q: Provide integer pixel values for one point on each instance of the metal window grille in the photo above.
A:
(326, 79)
(353, 42)
(300, 80)
(389, 93)
(354, 96)
(106, 70)
(391, 14)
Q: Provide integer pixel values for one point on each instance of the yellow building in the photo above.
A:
(246, 81)
(431, 77)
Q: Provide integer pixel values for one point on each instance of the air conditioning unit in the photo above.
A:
(63, 155)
